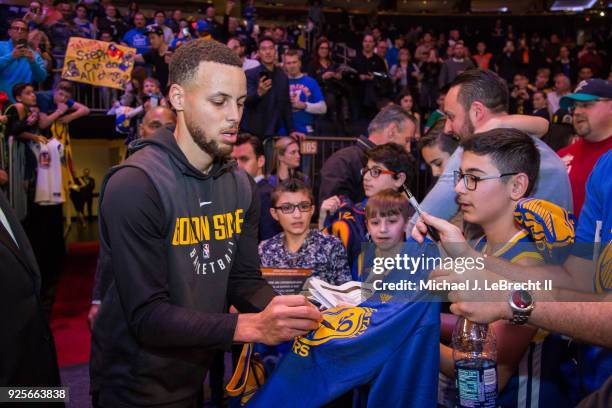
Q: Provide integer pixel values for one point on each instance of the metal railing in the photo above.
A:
(327, 146)
(97, 99)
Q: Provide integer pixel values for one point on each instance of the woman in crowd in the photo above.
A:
(436, 148)
(285, 161)
(429, 84)
(404, 74)
(406, 101)
(112, 22)
(326, 72)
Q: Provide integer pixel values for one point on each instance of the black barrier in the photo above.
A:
(320, 148)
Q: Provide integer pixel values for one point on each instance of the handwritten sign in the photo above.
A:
(98, 63)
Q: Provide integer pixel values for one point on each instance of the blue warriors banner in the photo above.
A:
(389, 344)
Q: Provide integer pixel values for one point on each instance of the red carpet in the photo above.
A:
(72, 301)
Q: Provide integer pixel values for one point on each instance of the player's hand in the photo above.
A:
(287, 317)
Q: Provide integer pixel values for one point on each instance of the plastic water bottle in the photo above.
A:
(475, 358)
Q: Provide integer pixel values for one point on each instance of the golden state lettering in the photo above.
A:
(348, 321)
(189, 231)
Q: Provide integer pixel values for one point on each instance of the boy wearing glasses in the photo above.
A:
(388, 167)
(19, 63)
(298, 246)
(498, 168)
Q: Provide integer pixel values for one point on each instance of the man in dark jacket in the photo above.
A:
(341, 172)
(249, 154)
(267, 106)
(178, 233)
(27, 352)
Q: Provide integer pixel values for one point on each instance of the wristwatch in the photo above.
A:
(522, 304)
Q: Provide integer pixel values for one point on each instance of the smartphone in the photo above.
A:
(186, 32)
(264, 74)
(22, 43)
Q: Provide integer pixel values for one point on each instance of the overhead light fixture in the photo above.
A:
(572, 5)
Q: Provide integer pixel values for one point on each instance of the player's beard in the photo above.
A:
(211, 147)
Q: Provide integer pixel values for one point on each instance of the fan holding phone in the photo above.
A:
(22, 64)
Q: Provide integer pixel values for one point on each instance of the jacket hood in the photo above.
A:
(164, 139)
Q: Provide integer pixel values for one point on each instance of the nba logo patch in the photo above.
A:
(205, 251)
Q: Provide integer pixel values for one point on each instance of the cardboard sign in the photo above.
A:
(308, 147)
(98, 63)
(286, 281)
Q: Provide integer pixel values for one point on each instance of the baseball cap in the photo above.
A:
(155, 29)
(202, 26)
(589, 90)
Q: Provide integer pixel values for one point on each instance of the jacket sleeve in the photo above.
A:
(248, 291)
(285, 106)
(5, 58)
(130, 212)
(39, 72)
(338, 178)
(440, 201)
(252, 76)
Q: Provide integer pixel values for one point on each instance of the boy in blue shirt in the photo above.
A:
(498, 168)
(306, 97)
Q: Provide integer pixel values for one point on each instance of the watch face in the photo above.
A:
(521, 299)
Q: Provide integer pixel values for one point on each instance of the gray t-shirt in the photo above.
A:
(552, 185)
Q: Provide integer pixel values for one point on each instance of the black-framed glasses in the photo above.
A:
(289, 208)
(471, 181)
(375, 171)
(20, 29)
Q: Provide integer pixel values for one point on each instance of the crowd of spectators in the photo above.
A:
(416, 93)
(356, 74)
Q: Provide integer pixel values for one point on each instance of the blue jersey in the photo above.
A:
(593, 238)
(305, 89)
(349, 224)
(536, 382)
(391, 346)
(595, 225)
